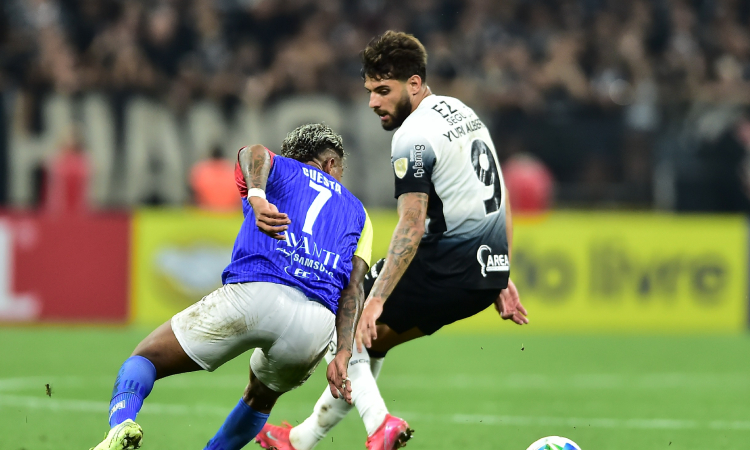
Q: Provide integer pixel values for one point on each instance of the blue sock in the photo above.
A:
(133, 384)
(239, 428)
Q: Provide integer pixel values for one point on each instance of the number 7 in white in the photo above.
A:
(324, 194)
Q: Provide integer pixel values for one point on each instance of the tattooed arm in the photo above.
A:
(255, 163)
(350, 308)
(412, 212)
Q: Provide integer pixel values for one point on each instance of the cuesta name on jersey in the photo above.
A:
(317, 177)
(304, 254)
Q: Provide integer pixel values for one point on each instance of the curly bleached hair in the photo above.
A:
(306, 142)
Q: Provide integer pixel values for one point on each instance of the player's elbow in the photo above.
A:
(414, 225)
(257, 149)
(252, 150)
(418, 228)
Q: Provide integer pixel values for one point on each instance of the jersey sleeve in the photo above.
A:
(364, 245)
(239, 178)
(413, 160)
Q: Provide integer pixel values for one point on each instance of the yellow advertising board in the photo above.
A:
(617, 272)
(576, 272)
(178, 257)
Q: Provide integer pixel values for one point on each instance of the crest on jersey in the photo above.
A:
(400, 166)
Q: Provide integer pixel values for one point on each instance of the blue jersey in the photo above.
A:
(316, 256)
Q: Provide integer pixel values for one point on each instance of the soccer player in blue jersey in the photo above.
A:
(294, 278)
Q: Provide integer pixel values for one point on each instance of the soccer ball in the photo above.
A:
(554, 443)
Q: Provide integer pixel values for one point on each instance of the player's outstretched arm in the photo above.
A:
(412, 211)
(350, 308)
(255, 163)
(508, 303)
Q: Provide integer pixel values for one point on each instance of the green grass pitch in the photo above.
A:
(457, 391)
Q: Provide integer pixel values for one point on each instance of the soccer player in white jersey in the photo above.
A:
(449, 257)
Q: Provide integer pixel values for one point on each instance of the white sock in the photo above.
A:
(327, 414)
(365, 393)
(328, 411)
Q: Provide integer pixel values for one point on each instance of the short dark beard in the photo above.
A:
(402, 111)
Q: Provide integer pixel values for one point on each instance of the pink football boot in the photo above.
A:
(275, 437)
(391, 434)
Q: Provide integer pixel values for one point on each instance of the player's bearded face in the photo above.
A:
(400, 113)
(389, 100)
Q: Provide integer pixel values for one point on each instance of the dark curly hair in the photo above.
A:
(394, 55)
(306, 142)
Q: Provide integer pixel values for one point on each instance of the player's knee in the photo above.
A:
(259, 396)
(388, 338)
(157, 357)
(380, 347)
(377, 353)
(150, 350)
(165, 353)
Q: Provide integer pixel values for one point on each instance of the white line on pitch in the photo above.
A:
(202, 410)
(99, 407)
(490, 383)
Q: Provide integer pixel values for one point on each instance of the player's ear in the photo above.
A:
(329, 165)
(414, 84)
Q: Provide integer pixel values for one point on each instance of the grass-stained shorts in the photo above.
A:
(289, 331)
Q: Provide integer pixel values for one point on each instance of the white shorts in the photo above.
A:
(290, 331)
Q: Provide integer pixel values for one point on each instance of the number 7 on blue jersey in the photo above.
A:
(324, 194)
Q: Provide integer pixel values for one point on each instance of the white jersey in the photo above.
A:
(445, 151)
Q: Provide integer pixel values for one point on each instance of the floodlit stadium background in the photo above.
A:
(622, 128)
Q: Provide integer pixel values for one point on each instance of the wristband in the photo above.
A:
(255, 192)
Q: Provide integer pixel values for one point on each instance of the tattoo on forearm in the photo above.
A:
(259, 167)
(404, 244)
(347, 317)
(412, 214)
(415, 213)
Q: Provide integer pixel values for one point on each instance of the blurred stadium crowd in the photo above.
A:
(628, 103)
